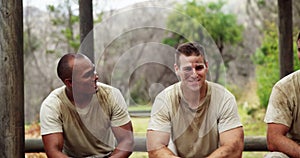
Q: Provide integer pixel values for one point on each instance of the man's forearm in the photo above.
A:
(124, 149)
(56, 154)
(285, 145)
(120, 153)
(227, 151)
(162, 153)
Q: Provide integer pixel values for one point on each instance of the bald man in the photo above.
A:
(84, 117)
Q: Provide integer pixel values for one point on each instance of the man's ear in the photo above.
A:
(176, 68)
(68, 82)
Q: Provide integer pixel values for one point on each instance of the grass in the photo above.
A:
(140, 126)
(139, 108)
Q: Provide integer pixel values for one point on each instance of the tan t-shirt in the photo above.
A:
(195, 132)
(86, 131)
(284, 104)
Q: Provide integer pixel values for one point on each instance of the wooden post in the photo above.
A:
(86, 28)
(11, 79)
(285, 36)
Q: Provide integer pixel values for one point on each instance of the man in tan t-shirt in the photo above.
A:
(283, 116)
(84, 117)
(194, 118)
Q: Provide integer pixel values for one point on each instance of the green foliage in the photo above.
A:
(62, 17)
(222, 27)
(235, 90)
(296, 60)
(138, 96)
(266, 59)
(99, 17)
(267, 64)
(174, 40)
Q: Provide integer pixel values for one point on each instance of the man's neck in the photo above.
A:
(80, 100)
(194, 98)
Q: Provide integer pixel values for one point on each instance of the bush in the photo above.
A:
(266, 59)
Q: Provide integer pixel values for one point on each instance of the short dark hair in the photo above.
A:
(189, 49)
(298, 37)
(65, 65)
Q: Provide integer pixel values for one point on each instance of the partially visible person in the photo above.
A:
(84, 117)
(194, 118)
(283, 116)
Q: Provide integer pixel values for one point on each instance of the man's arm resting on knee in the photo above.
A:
(157, 145)
(53, 145)
(231, 144)
(124, 136)
(278, 141)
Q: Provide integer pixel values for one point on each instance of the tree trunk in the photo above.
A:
(86, 28)
(285, 37)
(11, 79)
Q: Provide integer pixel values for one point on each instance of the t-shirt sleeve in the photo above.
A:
(120, 115)
(278, 110)
(160, 118)
(229, 117)
(50, 117)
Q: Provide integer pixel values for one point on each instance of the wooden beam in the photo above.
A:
(253, 143)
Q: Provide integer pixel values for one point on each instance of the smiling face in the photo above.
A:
(84, 77)
(192, 71)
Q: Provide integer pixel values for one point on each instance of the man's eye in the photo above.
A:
(188, 68)
(89, 74)
(199, 67)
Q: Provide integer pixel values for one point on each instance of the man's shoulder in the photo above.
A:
(289, 79)
(55, 97)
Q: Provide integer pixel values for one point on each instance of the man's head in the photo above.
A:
(77, 72)
(191, 65)
(298, 45)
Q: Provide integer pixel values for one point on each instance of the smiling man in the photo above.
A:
(84, 117)
(194, 117)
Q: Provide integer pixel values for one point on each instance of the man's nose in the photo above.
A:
(194, 73)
